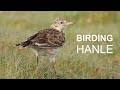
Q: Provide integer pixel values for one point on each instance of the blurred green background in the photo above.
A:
(16, 26)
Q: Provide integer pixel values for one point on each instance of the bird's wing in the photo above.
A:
(32, 37)
(48, 38)
(56, 39)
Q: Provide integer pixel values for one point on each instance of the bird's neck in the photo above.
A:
(57, 28)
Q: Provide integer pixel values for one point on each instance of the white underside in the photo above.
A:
(49, 52)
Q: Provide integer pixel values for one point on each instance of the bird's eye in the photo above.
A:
(61, 22)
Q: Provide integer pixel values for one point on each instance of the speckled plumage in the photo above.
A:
(48, 42)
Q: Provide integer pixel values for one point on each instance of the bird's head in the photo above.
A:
(60, 24)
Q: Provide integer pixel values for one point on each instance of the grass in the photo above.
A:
(15, 27)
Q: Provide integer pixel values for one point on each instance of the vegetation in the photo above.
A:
(16, 26)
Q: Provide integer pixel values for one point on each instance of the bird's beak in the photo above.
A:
(69, 23)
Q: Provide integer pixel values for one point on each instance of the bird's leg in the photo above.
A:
(52, 61)
(36, 54)
(53, 66)
(37, 59)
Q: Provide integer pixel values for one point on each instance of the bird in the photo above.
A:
(49, 41)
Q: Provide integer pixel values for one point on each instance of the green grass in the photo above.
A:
(15, 27)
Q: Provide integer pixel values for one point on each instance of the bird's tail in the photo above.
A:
(23, 44)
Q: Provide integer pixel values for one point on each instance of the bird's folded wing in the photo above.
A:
(32, 37)
(56, 39)
(44, 38)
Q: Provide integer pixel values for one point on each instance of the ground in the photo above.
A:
(15, 27)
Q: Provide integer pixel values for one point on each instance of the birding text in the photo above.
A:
(103, 46)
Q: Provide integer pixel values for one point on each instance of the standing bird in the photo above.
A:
(48, 42)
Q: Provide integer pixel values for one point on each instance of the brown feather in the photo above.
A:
(47, 38)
